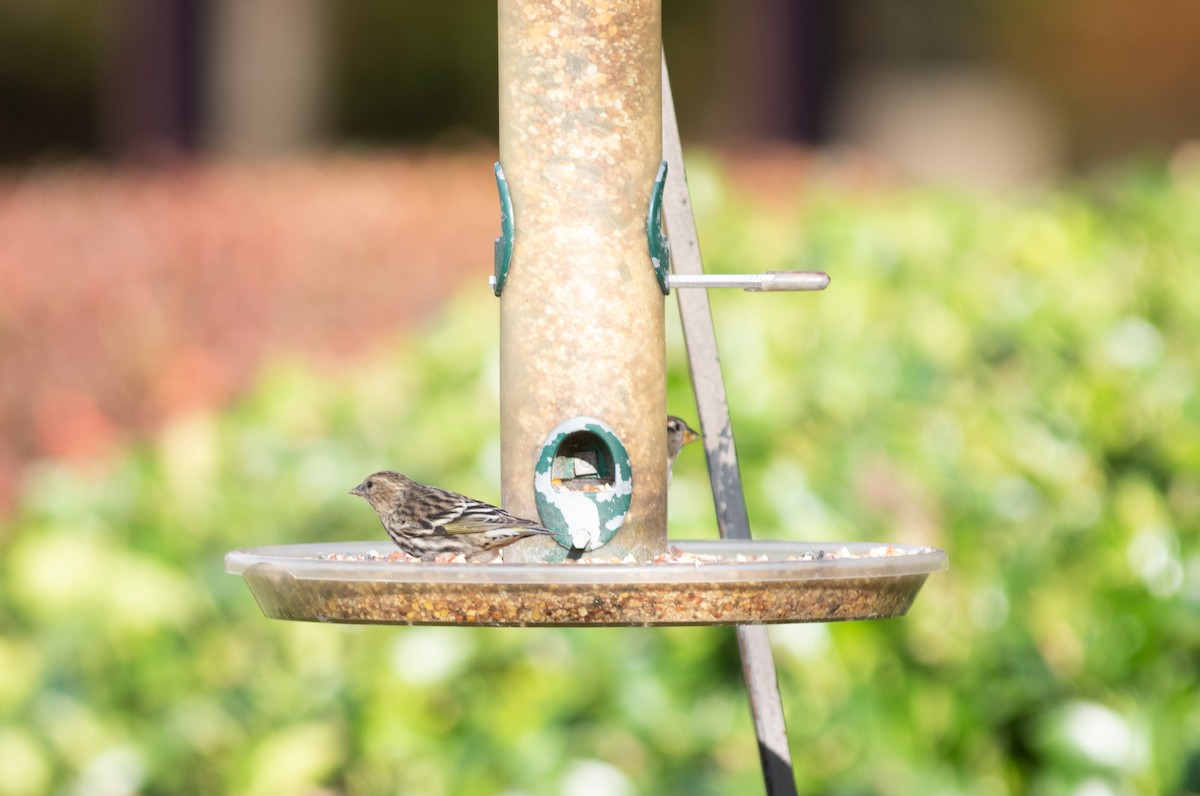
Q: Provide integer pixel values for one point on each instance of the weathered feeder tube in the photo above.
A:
(581, 319)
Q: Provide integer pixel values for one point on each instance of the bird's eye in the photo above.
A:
(370, 484)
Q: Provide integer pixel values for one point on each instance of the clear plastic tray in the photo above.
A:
(295, 582)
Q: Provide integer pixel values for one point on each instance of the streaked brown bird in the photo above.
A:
(427, 521)
(679, 434)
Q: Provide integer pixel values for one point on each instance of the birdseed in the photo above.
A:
(453, 601)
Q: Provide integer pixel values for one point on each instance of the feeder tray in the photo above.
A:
(300, 582)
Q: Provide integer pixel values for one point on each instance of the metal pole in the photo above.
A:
(758, 667)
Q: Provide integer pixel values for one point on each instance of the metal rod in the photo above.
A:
(758, 667)
(770, 281)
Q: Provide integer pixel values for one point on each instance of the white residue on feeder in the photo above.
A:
(581, 510)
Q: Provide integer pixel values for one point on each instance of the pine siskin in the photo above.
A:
(679, 434)
(426, 521)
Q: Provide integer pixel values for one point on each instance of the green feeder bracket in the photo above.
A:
(583, 483)
(504, 243)
(660, 249)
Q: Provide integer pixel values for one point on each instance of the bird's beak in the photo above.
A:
(358, 490)
(689, 436)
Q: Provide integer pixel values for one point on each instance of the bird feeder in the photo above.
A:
(581, 271)
(581, 274)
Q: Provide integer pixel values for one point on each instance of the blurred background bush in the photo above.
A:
(203, 350)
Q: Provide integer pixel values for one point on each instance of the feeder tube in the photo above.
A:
(581, 320)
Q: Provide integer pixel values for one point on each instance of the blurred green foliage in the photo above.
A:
(1011, 380)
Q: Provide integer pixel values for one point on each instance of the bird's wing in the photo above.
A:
(473, 516)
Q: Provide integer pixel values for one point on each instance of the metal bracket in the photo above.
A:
(656, 237)
(504, 243)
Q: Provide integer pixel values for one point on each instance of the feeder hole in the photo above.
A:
(582, 463)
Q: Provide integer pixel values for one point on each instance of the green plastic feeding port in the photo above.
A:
(583, 483)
